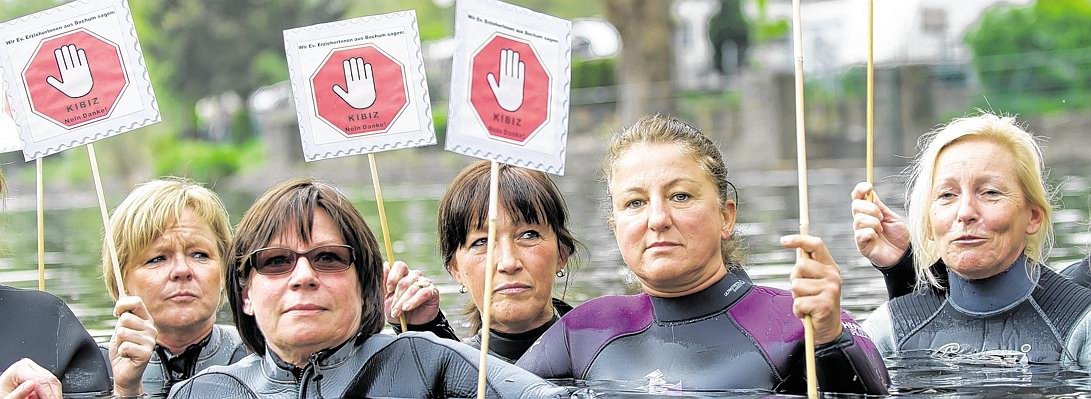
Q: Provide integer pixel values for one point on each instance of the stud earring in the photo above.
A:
(462, 290)
(561, 273)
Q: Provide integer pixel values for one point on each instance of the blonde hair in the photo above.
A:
(149, 210)
(1029, 171)
(664, 129)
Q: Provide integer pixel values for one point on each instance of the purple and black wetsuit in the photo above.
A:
(732, 335)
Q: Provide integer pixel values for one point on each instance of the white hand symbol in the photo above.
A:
(360, 82)
(75, 73)
(509, 92)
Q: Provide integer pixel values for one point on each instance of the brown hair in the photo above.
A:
(663, 129)
(288, 208)
(529, 196)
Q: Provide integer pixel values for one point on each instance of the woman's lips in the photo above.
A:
(512, 289)
(305, 308)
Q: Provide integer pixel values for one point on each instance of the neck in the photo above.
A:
(177, 340)
(707, 278)
(517, 327)
(994, 294)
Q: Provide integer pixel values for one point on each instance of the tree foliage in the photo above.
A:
(1034, 58)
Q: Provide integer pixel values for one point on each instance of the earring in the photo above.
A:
(462, 290)
(561, 273)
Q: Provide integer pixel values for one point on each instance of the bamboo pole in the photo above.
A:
(109, 236)
(383, 225)
(804, 214)
(41, 225)
(871, 97)
(490, 267)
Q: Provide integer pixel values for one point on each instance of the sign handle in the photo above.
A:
(804, 215)
(490, 268)
(108, 235)
(41, 225)
(383, 224)
(871, 97)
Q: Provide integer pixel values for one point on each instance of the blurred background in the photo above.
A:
(220, 76)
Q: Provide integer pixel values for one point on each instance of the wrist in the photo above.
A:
(129, 390)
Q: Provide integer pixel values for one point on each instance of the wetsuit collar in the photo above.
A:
(996, 294)
(183, 366)
(697, 306)
(279, 370)
(513, 346)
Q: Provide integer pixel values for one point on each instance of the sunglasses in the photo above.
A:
(326, 259)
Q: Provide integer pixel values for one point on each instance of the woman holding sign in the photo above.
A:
(305, 286)
(700, 317)
(172, 235)
(980, 213)
(533, 247)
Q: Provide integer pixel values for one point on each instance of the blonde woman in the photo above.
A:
(979, 224)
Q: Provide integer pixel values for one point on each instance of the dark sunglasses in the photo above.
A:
(326, 259)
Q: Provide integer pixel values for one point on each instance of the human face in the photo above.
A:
(179, 277)
(527, 260)
(668, 220)
(305, 311)
(980, 216)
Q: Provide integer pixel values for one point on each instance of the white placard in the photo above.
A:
(75, 74)
(359, 86)
(510, 85)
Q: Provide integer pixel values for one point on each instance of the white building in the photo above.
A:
(906, 32)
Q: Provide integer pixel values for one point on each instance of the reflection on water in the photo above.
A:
(767, 210)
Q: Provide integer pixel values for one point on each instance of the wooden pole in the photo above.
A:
(382, 223)
(490, 267)
(109, 236)
(41, 226)
(804, 215)
(871, 96)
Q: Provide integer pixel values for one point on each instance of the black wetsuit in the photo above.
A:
(412, 365)
(1022, 315)
(1079, 272)
(507, 347)
(222, 346)
(510, 347)
(39, 326)
(732, 335)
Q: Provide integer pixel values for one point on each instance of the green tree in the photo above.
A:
(1030, 58)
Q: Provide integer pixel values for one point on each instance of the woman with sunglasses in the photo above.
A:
(305, 286)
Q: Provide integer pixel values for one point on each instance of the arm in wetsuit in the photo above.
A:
(849, 364)
(41, 327)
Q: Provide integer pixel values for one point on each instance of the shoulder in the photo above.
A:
(221, 381)
(1062, 300)
(620, 313)
(1079, 272)
(28, 300)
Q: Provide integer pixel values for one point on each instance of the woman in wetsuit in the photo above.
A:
(980, 219)
(700, 323)
(533, 248)
(171, 236)
(40, 328)
(883, 237)
(306, 291)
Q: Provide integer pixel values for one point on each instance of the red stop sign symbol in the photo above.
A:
(359, 90)
(75, 78)
(509, 89)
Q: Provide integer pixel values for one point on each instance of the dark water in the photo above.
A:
(767, 210)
